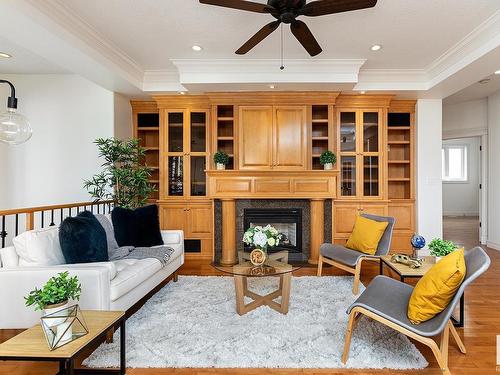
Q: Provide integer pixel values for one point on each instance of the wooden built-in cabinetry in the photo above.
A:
(274, 141)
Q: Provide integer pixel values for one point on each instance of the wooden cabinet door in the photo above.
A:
(289, 137)
(255, 137)
(379, 209)
(173, 216)
(404, 215)
(344, 217)
(199, 220)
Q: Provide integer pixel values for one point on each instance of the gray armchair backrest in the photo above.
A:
(385, 242)
(476, 263)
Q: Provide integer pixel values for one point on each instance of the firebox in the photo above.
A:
(288, 222)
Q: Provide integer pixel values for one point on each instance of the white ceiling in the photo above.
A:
(413, 33)
(476, 91)
(431, 48)
(24, 61)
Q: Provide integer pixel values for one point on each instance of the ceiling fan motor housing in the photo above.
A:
(288, 10)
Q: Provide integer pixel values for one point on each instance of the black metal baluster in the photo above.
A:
(92, 208)
(52, 219)
(77, 210)
(62, 214)
(69, 211)
(42, 217)
(17, 225)
(3, 233)
(98, 208)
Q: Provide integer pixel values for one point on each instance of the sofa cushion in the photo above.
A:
(131, 273)
(139, 227)
(83, 239)
(9, 257)
(39, 247)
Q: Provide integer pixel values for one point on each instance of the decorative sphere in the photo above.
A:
(417, 241)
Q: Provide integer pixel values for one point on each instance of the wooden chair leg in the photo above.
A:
(457, 338)
(347, 342)
(320, 265)
(176, 276)
(357, 274)
(437, 353)
(443, 347)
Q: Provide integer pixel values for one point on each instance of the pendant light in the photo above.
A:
(14, 127)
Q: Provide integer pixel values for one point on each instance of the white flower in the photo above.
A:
(271, 241)
(258, 228)
(260, 239)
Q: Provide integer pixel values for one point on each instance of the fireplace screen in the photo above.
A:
(287, 221)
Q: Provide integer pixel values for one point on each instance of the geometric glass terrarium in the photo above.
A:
(63, 326)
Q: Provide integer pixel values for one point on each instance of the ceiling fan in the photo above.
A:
(287, 11)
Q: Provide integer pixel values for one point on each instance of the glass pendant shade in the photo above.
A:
(14, 127)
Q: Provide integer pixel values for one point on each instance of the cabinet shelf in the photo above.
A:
(399, 162)
(402, 179)
(320, 121)
(398, 142)
(148, 128)
(151, 148)
(225, 118)
(225, 138)
(319, 138)
(398, 128)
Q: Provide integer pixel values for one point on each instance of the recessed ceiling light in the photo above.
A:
(376, 47)
(196, 48)
(497, 72)
(5, 55)
(272, 86)
(484, 81)
(362, 92)
(182, 92)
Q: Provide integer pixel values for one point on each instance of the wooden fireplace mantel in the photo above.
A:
(272, 184)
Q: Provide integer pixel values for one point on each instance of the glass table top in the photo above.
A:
(275, 264)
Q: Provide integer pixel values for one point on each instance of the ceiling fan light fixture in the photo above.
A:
(376, 47)
(5, 55)
(197, 48)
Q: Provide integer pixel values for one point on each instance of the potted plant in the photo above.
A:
(124, 179)
(54, 296)
(261, 238)
(327, 159)
(221, 159)
(440, 248)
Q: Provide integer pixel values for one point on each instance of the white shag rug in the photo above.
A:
(193, 323)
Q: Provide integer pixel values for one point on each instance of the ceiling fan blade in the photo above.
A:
(258, 37)
(305, 37)
(323, 7)
(241, 5)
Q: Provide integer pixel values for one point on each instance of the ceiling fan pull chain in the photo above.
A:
(282, 58)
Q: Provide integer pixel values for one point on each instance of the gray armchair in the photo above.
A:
(386, 301)
(350, 260)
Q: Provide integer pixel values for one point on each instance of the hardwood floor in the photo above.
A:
(482, 323)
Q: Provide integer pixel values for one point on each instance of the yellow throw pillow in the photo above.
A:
(436, 288)
(366, 235)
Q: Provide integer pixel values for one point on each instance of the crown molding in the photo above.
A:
(91, 41)
(161, 80)
(267, 70)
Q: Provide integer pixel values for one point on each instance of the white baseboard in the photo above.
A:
(460, 213)
(493, 245)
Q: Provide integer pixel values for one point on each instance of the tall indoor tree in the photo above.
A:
(123, 178)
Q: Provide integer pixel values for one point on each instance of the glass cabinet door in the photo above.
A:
(348, 157)
(371, 159)
(175, 158)
(197, 155)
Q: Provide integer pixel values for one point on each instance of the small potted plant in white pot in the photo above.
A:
(440, 248)
(221, 159)
(327, 159)
(54, 296)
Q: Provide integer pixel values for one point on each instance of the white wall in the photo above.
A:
(67, 113)
(494, 171)
(465, 119)
(429, 188)
(462, 198)
(123, 126)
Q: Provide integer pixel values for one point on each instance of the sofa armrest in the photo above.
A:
(172, 237)
(14, 314)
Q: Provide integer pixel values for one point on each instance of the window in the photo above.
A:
(454, 159)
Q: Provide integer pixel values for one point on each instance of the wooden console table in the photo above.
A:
(31, 345)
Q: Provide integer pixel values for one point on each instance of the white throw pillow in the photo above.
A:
(9, 257)
(39, 247)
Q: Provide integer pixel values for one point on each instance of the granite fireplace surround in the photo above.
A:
(241, 204)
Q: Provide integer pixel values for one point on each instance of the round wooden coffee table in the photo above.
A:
(277, 265)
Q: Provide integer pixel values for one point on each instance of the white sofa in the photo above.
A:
(114, 285)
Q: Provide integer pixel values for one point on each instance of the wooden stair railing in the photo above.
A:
(11, 221)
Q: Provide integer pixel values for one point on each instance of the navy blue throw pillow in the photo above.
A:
(83, 239)
(139, 227)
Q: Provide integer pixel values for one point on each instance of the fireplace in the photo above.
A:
(288, 222)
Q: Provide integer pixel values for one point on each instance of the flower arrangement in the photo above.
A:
(57, 290)
(441, 248)
(262, 237)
